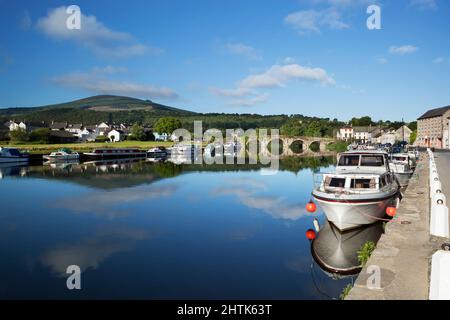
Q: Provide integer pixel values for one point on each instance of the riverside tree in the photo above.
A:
(167, 125)
(19, 135)
(138, 132)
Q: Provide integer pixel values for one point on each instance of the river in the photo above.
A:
(162, 231)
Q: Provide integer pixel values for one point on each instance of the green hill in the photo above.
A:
(95, 109)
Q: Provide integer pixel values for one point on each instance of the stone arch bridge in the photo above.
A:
(306, 143)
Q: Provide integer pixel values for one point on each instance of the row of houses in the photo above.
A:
(84, 133)
(373, 134)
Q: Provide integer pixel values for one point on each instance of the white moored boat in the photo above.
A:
(62, 154)
(401, 165)
(157, 153)
(360, 190)
(12, 155)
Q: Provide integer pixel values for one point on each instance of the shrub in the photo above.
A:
(365, 252)
(102, 139)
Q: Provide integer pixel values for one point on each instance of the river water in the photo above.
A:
(162, 231)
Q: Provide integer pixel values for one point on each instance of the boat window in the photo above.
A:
(383, 181)
(362, 184)
(400, 158)
(14, 152)
(347, 161)
(372, 161)
(337, 182)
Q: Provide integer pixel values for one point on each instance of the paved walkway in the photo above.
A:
(404, 251)
(443, 166)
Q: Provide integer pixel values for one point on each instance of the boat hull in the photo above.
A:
(114, 155)
(403, 178)
(346, 215)
(14, 159)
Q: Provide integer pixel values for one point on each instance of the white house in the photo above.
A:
(388, 137)
(16, 126)
(165, 137)
(345, 133)
(403, 134)
(103, 128)
(161, 136)
(76, 129)
(362, 134)
(88, 135)
(116, 135)
(359, 134)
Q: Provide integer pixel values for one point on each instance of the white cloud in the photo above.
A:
(93, 34)
(232, 93)
(250, 101)
(243, 50)
(423, 4)
(342, 3)
(310, 21)
(276, 207)
(279, 75)
(275, 77)
(402, 50)
(440, 60)
(91, 252)
(96, 82)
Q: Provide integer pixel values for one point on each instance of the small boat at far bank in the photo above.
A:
(63, 154)
(103, 153)
(13, 155)
(157, 152)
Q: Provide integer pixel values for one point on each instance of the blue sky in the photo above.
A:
(311, 57)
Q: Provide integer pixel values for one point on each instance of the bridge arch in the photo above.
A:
(281, 146)
(297, 146)
(314, 146)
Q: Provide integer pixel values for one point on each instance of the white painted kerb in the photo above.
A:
(440, 276)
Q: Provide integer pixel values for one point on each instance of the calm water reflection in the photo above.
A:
(158, 230)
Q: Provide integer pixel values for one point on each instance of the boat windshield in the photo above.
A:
(400, 158)
(347, 161)
(372, 161)
(363, 184)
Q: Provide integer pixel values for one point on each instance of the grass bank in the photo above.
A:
(338, 146)
(84, 147)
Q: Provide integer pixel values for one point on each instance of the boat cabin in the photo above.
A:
(363, 161)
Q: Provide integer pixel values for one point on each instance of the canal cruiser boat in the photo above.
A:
(400, 164)
(63, 154)
(359, 191)
(13, 155)
(103, 153)
(336, 252)
(184, 149)
(158, 152)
